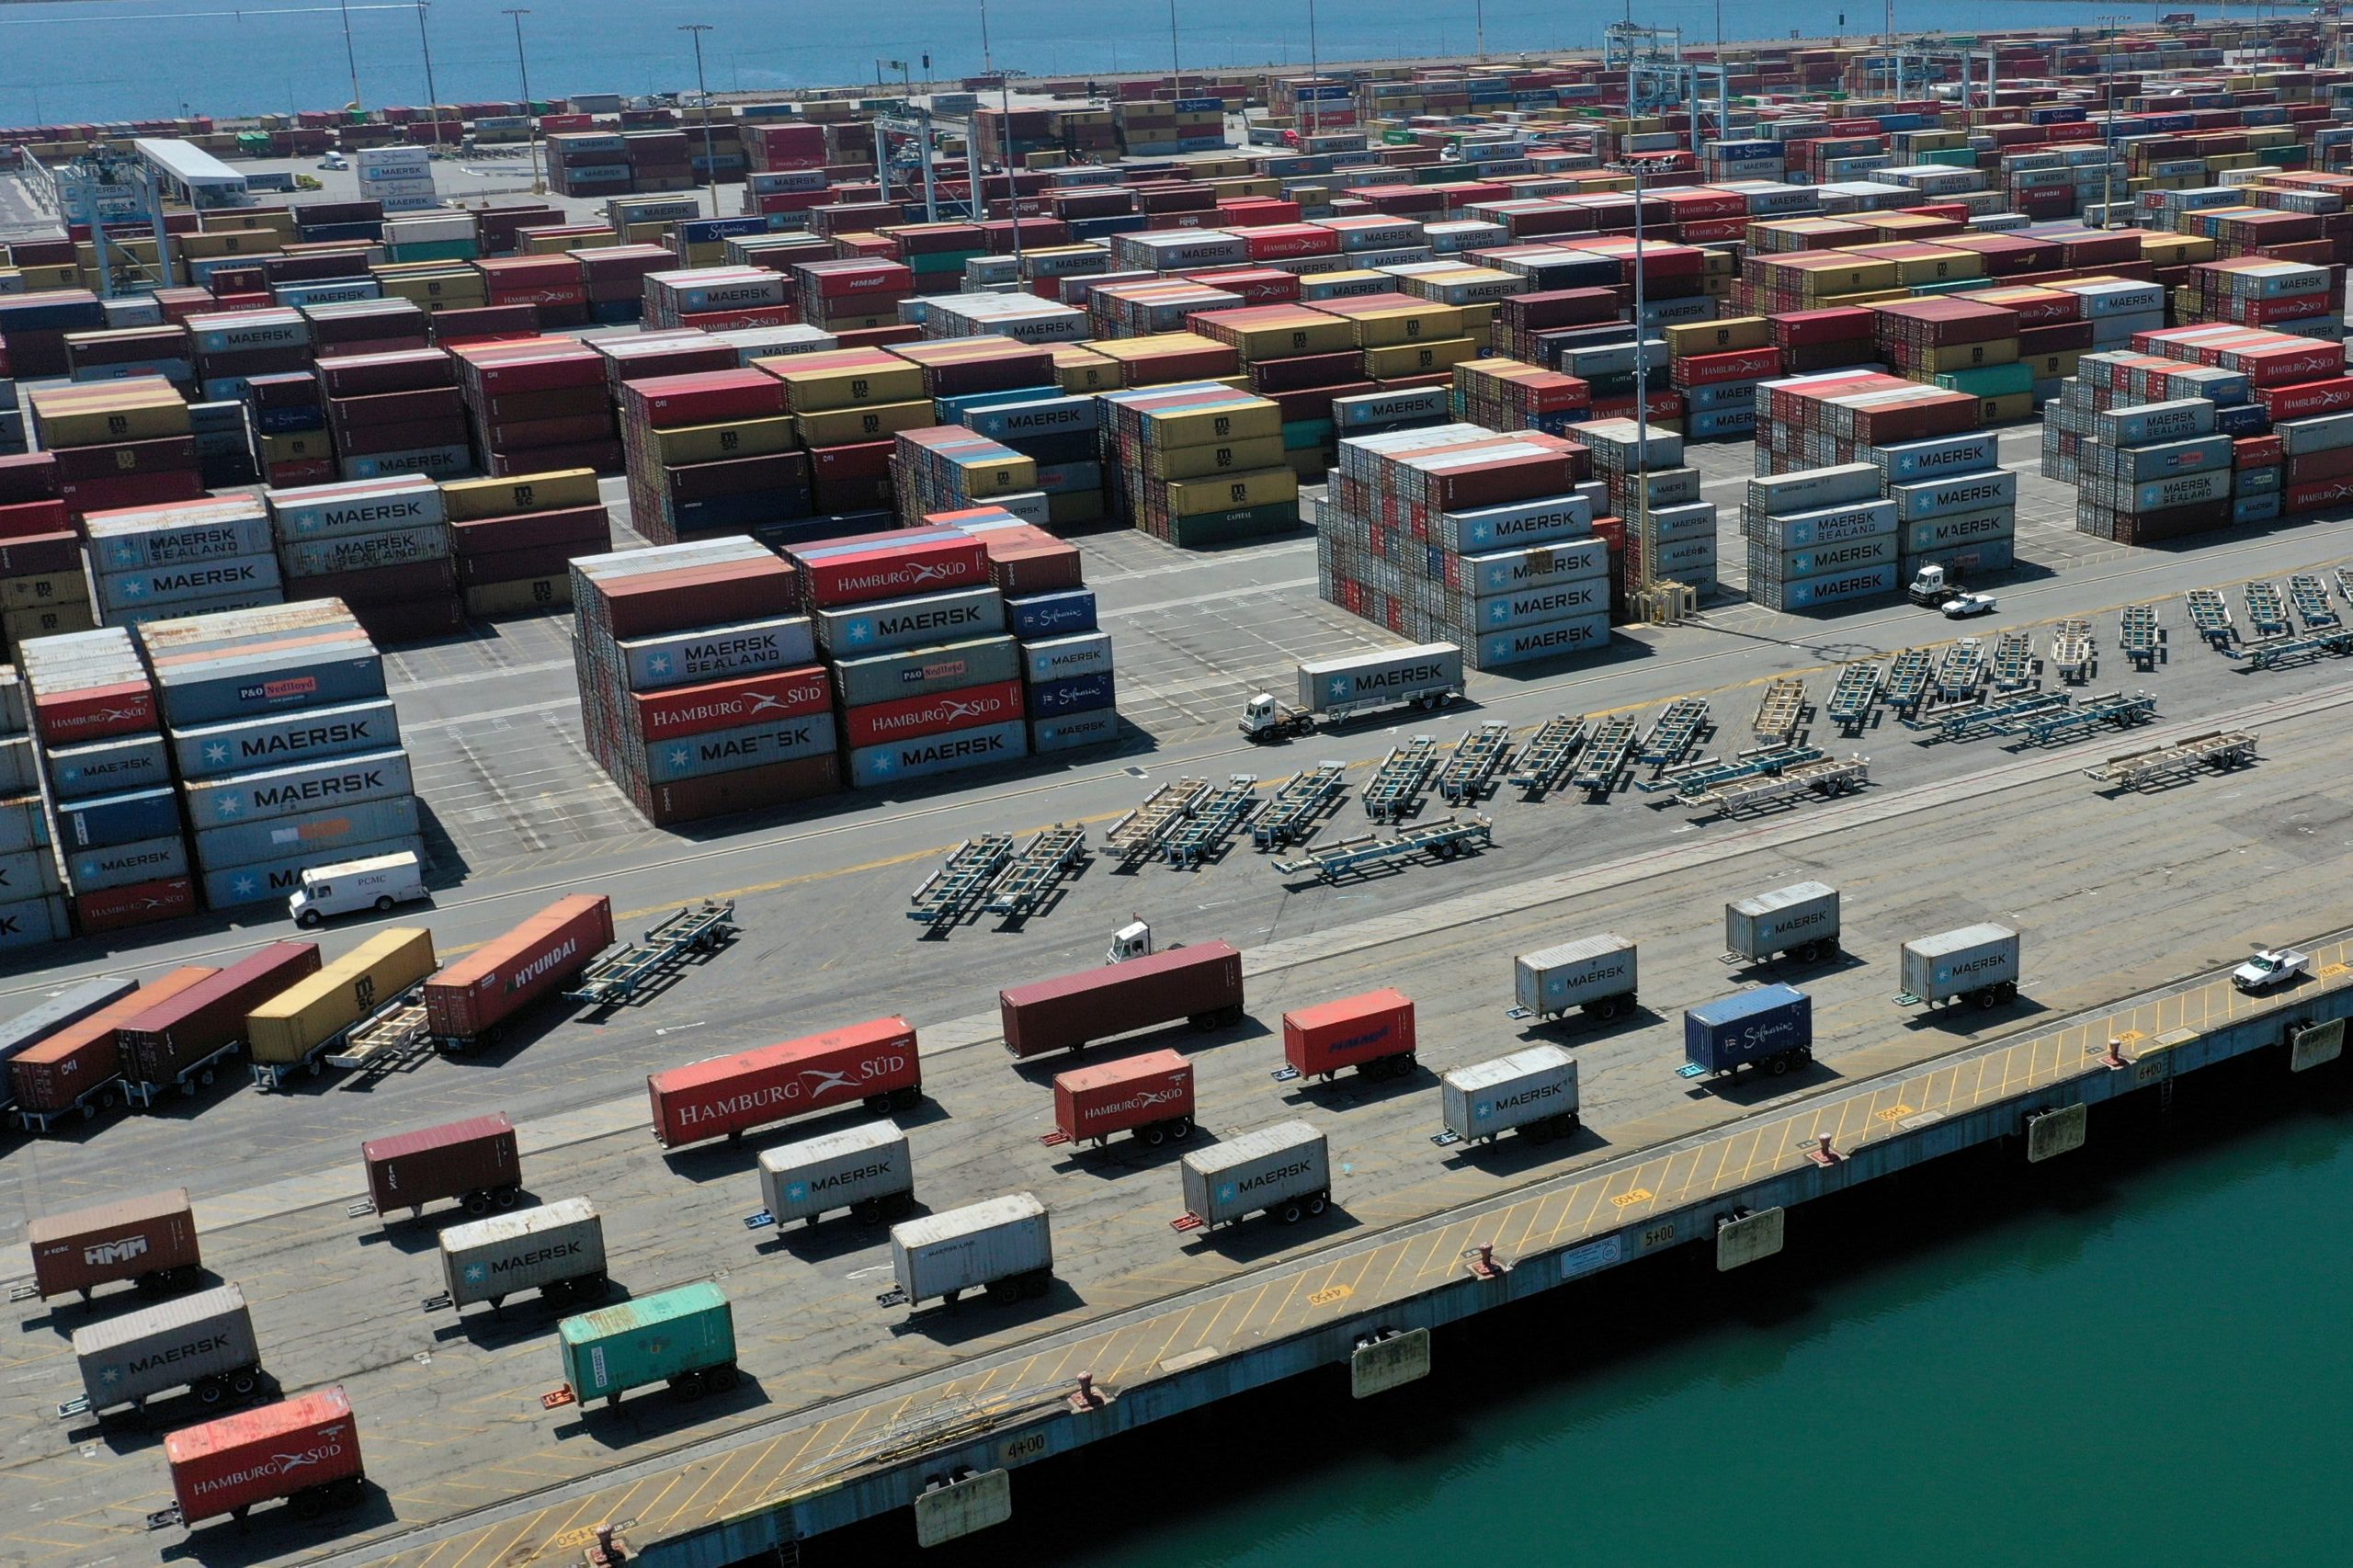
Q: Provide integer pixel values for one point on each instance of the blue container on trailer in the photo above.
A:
(1059, 614)
(1772, 1023)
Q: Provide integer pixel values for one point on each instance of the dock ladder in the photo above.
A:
(2115, 710)
(1961, 669)
(1698, 778)
(2276, 651)
(1441, 840)
(2219, 750)
(618, 977)
(2211, 618)
(1980, 720)
(2012, 665)
(2313, 606)
(1137, 835)
(2266, 610)
(1824, 775)
(2071, 651)
(1395, 791)
(1907, 679)
(2138, 634)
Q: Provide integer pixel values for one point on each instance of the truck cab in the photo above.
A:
(1266, 719)
(1933, 585)
(377, 882)
(1132, 940)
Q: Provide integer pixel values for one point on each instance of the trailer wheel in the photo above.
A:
(89, 1112)
(244, 1382)
(1290, 1213)
(348, 1491)
(592, 1286)
(476, 1202)
(719, 1379)
(1001, 1290)
(866, 1210)
(1988, 997)
(2009, 989)
(309, 1503)
(1181, 1128)
(1154, 1135)
(504, 1198)
(1036, 1282)
(688, 1385)
(1780, 1063)
(317, 1066)
(1317, 1202)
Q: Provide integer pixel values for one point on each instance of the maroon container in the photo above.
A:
(477, 568)
(470, 999)
(551, 402)
(735, 476)
(474, 1160)
(656, 602)
(360, 376)
(412, 621)
(745, 789)
(115, 460)
(161, 1043)
(1201, 983)
(395, 408)
(530, 530)
(39, 554)
(152, 1237)
(380, 584)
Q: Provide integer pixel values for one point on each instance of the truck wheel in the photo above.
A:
(2009, 991)
(866, 1210)
(89, 1112)
(1317, 1202)
(348, 1491)
(1290, 1213)
(307, 919)
(1181, 1128)
(592, 1286)
(877, 1104)
(907, 1097)
(245, 1382)
(309, 1503)
(722, 1378)
(383, 903)
(1780, 1064)
(1989, 996)
(688, 1385)
(1001, 1290)
(209, 1391)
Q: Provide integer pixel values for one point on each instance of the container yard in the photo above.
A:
(680, 591)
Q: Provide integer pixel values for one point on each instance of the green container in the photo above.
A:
(650, 1340)
(926, 264)
(1299, 435)
(1243, 522)
(1988, 380)
(435, 250)
(1952, 158)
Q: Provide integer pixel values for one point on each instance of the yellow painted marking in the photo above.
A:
(1325, 1298)
(1628, 1199)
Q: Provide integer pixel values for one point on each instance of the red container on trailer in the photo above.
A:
(409, 1170)
(85, 1248)
(53, 1073)
(472, 997)
(161, 1041)
(1201, 983)
(1143, 1091)
(722, 1096)
(226, 1466)
(1351, 1032)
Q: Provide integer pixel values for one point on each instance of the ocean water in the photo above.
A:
(129, 59)
(2132, 1357)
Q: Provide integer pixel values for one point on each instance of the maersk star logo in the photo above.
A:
(110, 1376)
(1500, 614)
(241, 886)
(680, 756)
(658, 664)
(215, 752)
(885, 763)
(1339, 685)
(860, 630)
(795, 1191)
(134, 588)
(226, 806)
(476, 1273)
(1225, 1192)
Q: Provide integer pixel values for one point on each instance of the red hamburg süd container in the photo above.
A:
(474, 1159)
(82, 1057)
(172, 1035)
(1200, 983)
(94, 712)
(891, 572)
(306, 1448)
(726, 704)
(132, 1238)
(876, 1063)
(1151, 1093)
(911, 717)
(468, 1000)
(1354, 1031)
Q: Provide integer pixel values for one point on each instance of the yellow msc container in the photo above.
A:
(1078, 368)
(1418, 359)
(732, 438)
(138, 408)
(845, 379)
(1197, 462)
(1380, 328)
(469, 498)
(1191, 497)
(293, 1025)
(1223, 423)
(863, 422)
(1716, 337)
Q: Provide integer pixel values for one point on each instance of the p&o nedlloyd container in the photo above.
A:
(204, 1342)
(1595, 973)
(557, 1249)
(1801, 918)
(1284, 1170)
(866, 1170)
(1980, 962)
(1535, 1089)
(1002, 1244)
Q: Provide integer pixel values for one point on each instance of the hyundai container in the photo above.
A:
(150, 1240)
(1595, 973)
(1976, 962)
(1373, 1033)
(472, 998)
(294, 1027)
(474, 1160)
(175, 1042)
(875, 1063)
(1003, 1244)
(557, 1249)
(304, 1449)
(1801, 918)
(866, 1170)
(684, 1337)
(1534, 1090)
(1150, 1095)
(1200, 983)
(1284, 1170)
(1770, 1027)
(203, 1342)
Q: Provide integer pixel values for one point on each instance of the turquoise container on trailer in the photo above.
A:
(686, 1336)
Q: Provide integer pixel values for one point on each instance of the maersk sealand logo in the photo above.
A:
(1501, 613)
(659, 664)
(859, 631)
(476, 1273)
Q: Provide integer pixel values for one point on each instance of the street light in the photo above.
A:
(1644, 543)
(1478, 14)
(432, 97)
(710, 164)
(1314, 75)
(1173, 68)
(523, 66)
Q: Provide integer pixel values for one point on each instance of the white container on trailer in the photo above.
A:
(865, 1169)
(1979, 961)
(204, 1342)
(1285, 1170)
(557, 1249)
(1535, 1089)
(1597, 973)
(1801, 918)
(1004, 1244)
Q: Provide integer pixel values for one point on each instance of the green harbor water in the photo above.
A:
(2137, 1355)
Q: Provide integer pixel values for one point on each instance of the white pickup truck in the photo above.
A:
(2271, 966)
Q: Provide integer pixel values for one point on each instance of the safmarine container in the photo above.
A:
(1152, 1094)
(1200, 983)
(1373, 1033)
(149, 1238)
(1535, 1088)
(875, 1062)
(557, 1249)
(1597, 973)
(1802, 917)
(1772, 1026)
(204, 1342)
(1004, 1243)
(301, 1447)
(686, 1338)
(866, 1170)
(1285, 1170)
(468, 1000)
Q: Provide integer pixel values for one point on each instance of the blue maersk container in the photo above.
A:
(1771, 1024)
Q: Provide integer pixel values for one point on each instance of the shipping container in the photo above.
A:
(474, 1160)
(1373, 1033)
(876, 1063)
(176, 1041)
(1200, 983)
(296, 1027)
(203, 1342)
(866, 1170)
(1284, 1170)
(52, 1013)
(684, 1337)
(305, 1450)
(1535, 1089)
(78, 1068)
(1429, 674)
(557, 1249)
(472, 998)
(1771, 1025)
(1003, 1244)
(1150, 1094)
(1594, 973)
(1801, 918)
(150, 1240)
(1977, 963)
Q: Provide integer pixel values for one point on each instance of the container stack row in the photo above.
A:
(709, 453)
(395, 413)
(514, 539)
(1197, 463)
(534, 404)
(379, 545)
(1646, 477)
(117, 443)
(42, 590)
(32, 901)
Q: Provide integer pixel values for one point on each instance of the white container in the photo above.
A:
(1285, 1169)
(1803, 915)
(862, 1169)
(1004, 1244)
(1597, 973)
(204, 1341)
(559, 1244)
(1536, 1087)
(1970, 961)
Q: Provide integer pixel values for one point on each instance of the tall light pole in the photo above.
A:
(1479, 15)
(350, 56)
(1174, 68)
(1646, 545)
(709, 167)
(524, 67)
(1314, 75)
(988, 63)
(432, 97)
(2108, 127)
